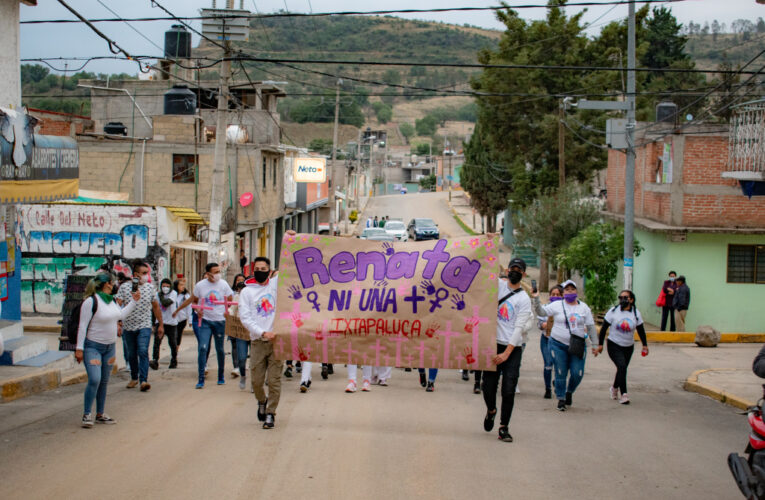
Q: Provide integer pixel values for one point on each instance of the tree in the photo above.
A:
(595, 253)
(421, 149)
(383, 112)
(428, 183)
(321, 146)
(426, 125)
(407, 130)
(715, 29)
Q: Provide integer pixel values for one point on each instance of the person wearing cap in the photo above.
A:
(571, 317)
(513, 311)
(681, 302)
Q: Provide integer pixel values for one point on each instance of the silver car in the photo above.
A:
(397, 229)
(372, 231)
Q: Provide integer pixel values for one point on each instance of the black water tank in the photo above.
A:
(115, 128)
(179, 100)
(666, 112)
(177, 43)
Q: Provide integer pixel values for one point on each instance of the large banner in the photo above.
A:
(427, 304)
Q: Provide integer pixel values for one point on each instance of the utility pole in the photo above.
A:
(332, 200)
(561, 146)
(629, 175)
(451, 174)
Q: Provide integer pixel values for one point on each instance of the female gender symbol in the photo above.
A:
(313, 298)
(436, 301)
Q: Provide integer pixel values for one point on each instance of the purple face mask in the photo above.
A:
(554, 298)
(570, 297)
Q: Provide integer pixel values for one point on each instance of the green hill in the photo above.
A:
(710, 50)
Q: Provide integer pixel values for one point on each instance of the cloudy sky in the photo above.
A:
(76, 40)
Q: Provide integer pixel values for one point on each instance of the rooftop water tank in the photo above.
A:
(115, 128)
(666, 112)
(179, 100)
(177, 43)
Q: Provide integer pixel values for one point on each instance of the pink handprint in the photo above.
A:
(296, 320)
(469, 355)
(470, 324)
(302, 355)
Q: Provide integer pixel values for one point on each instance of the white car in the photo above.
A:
(372, 231)
(397, 229)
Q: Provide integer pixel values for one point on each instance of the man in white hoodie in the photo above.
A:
(257, 309)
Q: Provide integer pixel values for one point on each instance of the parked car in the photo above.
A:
(382, 237)
(423, 229)
(396, 228)
(372, 231)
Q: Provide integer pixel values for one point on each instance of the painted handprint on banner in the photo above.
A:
(302, 355)
(469, 359)
(295, 292)
(458, 301)
(296, 320)
(381, 284)
(388, 248)
(428, 287)
(319, 335)
(432, 329)
(470, 324)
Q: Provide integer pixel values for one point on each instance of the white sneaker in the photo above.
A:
(366, 386)
(625, 399)
(517, 390)
(242, 384)
(235, 373)
(614, 392)
(351, 387)
(87, 421)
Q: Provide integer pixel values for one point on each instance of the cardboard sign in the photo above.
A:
(426, 304)
(235, 328)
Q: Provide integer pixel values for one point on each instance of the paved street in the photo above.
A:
(394, 442)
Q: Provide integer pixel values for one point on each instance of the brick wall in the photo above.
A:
(60, 124)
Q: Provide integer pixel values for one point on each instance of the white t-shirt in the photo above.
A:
(167, 312)
(579, 317)
(257, 307)
(103, 327)
(207, 291)
(623, 325)
(512, 315)
(185, 313)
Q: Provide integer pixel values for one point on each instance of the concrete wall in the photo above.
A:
(10, 76)
(702, 259)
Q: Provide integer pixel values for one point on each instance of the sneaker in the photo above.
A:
(375, 380)
(625, 399)
(504, 435)
(351, 387)
(383, 382)
(206, 371)
(569, 399)
(548, 393)
(299, 367)
(465, 375)
(262, 410)
(517, 389)
(221, 381)
(288, 372)
(87, 421)
(242, 383)
(561, 405)
(324, 372)
(105, 419)
(200, 385)
(304, 386)
(423, 380)
(430, 387)
(477, 388)
(488, 421)
(407, 369)
(173, 364)
(132, 384)
(235, 373)
(614, 393)
(145, 386)
(330, 369)
(366, 386)
(154, 364)
(269, 423)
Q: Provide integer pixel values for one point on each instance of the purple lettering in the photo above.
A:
(460, 272)
(402, 265)
(364, 259)
(390, 300)
(308, 262)
(337, 300)
(341, 266)
(434, 257)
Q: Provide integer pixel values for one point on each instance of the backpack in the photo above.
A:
(73, 324)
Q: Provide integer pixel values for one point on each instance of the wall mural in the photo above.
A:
(62, 239)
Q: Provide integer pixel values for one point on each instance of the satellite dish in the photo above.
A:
(689, 117)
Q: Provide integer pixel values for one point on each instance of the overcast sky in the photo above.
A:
(76, 40)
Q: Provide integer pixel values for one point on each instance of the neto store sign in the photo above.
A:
(310, 170)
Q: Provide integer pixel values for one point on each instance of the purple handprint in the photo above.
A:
(458, 301)
(381, 284)
(295, 292)
(388, 248)
(428, 287)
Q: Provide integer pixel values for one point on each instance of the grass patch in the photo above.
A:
(464, 226)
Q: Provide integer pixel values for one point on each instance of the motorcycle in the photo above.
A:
(749, 472)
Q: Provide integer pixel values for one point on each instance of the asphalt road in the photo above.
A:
(393, 442)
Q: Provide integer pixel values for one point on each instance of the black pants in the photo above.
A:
(509, 370)
(179, 332)
(621, 357)
(667, 311)
(170, 335)
(477, 374)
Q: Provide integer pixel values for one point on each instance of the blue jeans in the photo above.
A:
(565, 363)
(99, 360)
(137, 342)
(242, 349)
(209, 330)
(432, 373)
(544, 346)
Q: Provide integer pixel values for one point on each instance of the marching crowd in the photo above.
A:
(128, 308)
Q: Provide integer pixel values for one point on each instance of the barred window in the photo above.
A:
(746, 263)
(184, 168)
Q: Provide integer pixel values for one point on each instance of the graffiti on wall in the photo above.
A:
(62, 239)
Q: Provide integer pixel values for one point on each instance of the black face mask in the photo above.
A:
(624, 302)
(261, 276)
(514, 277)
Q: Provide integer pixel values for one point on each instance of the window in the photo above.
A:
(184, 168)
(746, 263)
(273, 171)
(265, 168)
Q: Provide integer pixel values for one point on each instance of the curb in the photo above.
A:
(22, 387)
(42, 328)
(690, 338)
(692, 384)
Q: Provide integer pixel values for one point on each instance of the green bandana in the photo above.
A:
(105, 297)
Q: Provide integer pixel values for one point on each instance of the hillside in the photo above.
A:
(709, 50)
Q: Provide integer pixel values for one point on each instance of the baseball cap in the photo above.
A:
(517, 262)
(567, 283)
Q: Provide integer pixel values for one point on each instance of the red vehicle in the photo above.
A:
(749, 471)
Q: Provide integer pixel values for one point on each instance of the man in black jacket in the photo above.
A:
(681, 302)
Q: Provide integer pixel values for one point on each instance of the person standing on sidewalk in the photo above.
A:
(668, 310)
(136, 326)
(183, 315)
(207, 293)
(513, 312)
(257, 310)
(621, 321)
(167, 304)
(96, 336)
(681, 303)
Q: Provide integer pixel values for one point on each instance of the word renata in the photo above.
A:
(458, 272)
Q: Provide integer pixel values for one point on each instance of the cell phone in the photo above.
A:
(534, 286)
(135, 284)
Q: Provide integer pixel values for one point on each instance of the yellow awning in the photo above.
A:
(38, 191)
(188, 214)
